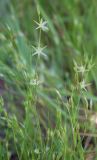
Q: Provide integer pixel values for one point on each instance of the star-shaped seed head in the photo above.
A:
(42, 25)
(83, 85)
(39, 51)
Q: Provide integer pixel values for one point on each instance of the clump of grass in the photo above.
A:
(48, 103)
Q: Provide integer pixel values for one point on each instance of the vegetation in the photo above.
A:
(48, 84)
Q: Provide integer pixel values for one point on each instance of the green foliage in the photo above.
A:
(47, 79)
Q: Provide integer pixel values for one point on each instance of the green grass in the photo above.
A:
(55, 119)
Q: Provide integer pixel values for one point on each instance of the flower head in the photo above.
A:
(42, 25)
(39, 51)
(81, 68)
(35, 82)
(36, 151)
(83, 85)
